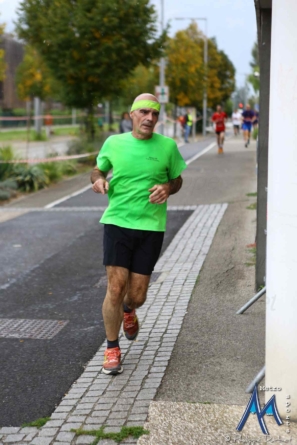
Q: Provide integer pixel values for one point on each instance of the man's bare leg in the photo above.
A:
(112, 309)
(136, 296)
(220, 150)
(222, 137)
(137, 290)
(246, 137)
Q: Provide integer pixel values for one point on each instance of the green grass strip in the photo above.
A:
(37, 423)
(134, 431)
(252, 206)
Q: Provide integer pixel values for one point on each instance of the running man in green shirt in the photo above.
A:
(146, 170)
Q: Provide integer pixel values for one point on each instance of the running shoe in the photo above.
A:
(112, 361)
(220, 150)
(131, 325)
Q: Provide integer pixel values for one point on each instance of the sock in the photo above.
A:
(127, 309)
(113, 344)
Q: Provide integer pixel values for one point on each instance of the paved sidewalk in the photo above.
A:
(96, 399)
(192, 347)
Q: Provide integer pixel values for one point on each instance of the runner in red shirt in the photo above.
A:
(219, 118)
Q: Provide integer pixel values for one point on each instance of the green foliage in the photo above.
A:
(37, 423)
(34, 78)
(252, 206)
(228, 107)
(252, 194)
(255, 133)
(29, 177)
(134, 431)
(83, 145)
(252, 259)
(52, 171)
(185, 73)
(69, 168)
(142, 79)
(2, 56)
(91, 48)
(7, 189)
(253, 79)
(39, 136)
(6, 154)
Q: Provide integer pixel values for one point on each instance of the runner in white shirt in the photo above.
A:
(236, 120)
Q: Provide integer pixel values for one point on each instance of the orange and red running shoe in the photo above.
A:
(131, 325)
(112, 361)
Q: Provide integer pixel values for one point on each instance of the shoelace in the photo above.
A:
(112, 355)
(129, 320)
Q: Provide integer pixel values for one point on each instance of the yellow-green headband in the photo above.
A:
(145, 104)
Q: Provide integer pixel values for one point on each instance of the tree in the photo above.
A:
(33, 77)
(185, 68)
(2, 56)
(143, 79)
(92, 46)
(185, 72)
(254, 77)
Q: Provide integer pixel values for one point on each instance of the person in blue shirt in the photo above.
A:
(248, 117)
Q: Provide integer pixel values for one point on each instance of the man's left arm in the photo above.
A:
(161, 192)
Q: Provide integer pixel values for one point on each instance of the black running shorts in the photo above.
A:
(136, 250)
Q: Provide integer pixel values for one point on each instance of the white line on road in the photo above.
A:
(58, 201)
(197, 155)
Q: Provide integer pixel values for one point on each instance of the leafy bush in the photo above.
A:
(8, 189)
(6, 170)
(4, 195)
(82, 145)
(69, 167)
(39, 136)
(52, 171)
(30, 177)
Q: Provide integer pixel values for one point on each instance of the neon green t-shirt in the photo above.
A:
(137, 166)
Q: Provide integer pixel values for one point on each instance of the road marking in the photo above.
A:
(197, 155)
(58, 201)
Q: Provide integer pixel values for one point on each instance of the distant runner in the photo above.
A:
(188, 125)
(248, 117)
(219, 118)
(236, 121)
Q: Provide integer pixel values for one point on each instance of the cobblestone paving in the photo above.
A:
(96, 399)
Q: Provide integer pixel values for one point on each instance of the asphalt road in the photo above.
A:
(51, 266)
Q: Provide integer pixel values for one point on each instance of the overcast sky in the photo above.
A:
(232, 22)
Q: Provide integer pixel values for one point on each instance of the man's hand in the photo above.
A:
(159, 193)
(98, 179)
(101, 186)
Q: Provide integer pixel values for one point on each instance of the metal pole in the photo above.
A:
(256, 380)
(251, 301)
(162, 73)
(205, 80)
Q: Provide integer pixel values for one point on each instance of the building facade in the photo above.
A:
(14, 53)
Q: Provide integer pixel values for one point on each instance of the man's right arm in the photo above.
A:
(98, 179)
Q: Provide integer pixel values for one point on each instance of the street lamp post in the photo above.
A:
(205, 68)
